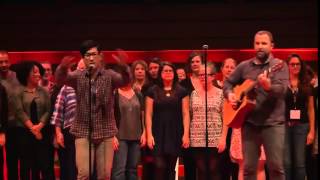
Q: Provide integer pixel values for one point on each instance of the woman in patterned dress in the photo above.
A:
(207, 137)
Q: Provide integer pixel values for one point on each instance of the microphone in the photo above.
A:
(205, 46)
(91, 67)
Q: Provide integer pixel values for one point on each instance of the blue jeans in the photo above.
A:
(295, 150)
(272, 138)
(126, 160)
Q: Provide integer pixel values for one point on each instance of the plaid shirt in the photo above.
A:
(65, 108)
(102, 100)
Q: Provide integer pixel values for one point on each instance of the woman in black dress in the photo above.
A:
(167, 121)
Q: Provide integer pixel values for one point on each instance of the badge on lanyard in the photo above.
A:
(295, 114)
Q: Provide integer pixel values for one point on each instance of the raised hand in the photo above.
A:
(121, 57)
(68, 61)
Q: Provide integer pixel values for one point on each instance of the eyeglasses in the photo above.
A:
(88, 55)
(167, 71)
(294, 64)
(203, 75)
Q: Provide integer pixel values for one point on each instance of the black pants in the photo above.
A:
(206, 160)
(165, 167)
(1, 163)
(36, 157)
(147, 161)
(189, 165)
(226, 166)
(13, 151)
(311, 164)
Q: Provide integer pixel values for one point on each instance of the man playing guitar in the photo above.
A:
(264, 125)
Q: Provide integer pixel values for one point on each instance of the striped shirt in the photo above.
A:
(65, 108)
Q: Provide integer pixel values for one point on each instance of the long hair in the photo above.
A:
(304, 79)
(175, 78)
(190, 57)
(144, 65)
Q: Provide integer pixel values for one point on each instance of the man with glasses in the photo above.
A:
(265, 125)
(100, 111)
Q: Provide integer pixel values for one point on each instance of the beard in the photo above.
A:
(262, 55)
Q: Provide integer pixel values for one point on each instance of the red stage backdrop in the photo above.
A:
(175, 56)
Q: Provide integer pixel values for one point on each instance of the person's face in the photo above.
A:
(34, 76)
(228, 67)
(294, 66)
(139, 72)
(263, 46)
(181, 74)
(195, 64)
(4, 63)
(47, 70)
(167, 73)
(92, 58)
(153, 70)
(202, 74)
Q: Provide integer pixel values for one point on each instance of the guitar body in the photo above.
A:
(234, 118)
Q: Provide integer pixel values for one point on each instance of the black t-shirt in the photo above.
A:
(167, 120)
(301, 103)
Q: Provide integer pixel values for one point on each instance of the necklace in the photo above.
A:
(168, 93)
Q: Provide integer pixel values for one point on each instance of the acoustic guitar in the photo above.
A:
(235, 116)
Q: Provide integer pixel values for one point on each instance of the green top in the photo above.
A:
(23, 101)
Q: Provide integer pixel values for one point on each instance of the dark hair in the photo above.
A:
(182, 68)
(225, 60)
(87, 45)
(24, 68)
(175, 77)
(310, 72)
(304, 79)
(268, 33)
(190, 57)
(155, 60)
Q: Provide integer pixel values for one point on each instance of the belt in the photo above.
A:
(293, 123)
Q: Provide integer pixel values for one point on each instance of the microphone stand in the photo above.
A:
(90, 121)
(205, 54)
